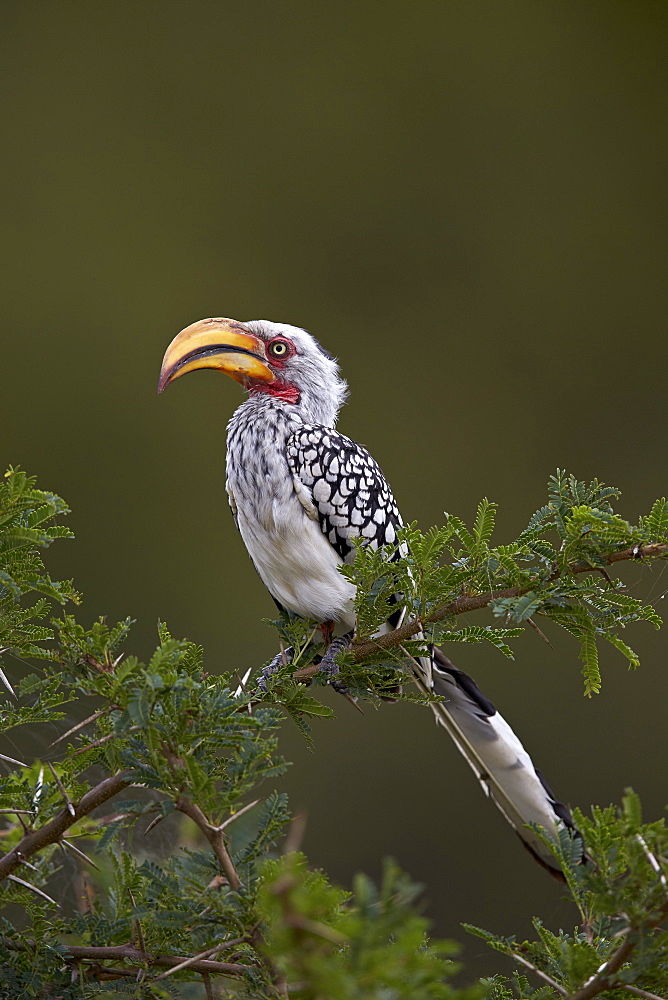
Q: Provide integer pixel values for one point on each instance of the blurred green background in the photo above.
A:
(466, 203)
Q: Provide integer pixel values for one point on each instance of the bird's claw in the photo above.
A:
(330, 667)
(328, 663)
(280, 660)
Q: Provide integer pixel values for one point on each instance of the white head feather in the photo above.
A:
(311, 370)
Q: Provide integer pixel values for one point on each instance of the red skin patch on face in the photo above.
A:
(279, 390)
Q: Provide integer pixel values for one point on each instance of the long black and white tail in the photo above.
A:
(500, 762)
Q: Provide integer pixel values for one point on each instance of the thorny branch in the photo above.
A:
(604, 977)
(641, 993)
(216, 837)
(136, 957)
(464, 604)
(539, 972)
(51, 832)
(33, 841)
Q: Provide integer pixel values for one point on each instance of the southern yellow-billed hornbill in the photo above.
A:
(301, 492)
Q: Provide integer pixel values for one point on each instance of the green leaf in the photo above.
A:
(139, 709)
(589, 657)
(483, 526)
(656, 522)
(462, 532)
(626, 651)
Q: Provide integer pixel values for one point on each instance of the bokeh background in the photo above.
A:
(464, 201)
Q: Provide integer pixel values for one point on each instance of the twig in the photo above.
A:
(295, 835)
(23, 823)
(208, 988)
(51, 832)
(128, 953)
(111, 818)
(214, 835)
(464, 604)
(539, 972)
(318, 929)
(137, 925)
(641, 993)
(603, 978)
(102, 668)
(209, 953)
(106, 972)
(653, 863)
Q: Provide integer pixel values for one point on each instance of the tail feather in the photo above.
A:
(500, 762)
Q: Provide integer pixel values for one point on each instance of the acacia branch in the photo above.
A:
(604, 977)
(216, 837)
(539, 972)
(640, 993)
(465, 603)
(128, 953)
(462, 605)
(208, 953)
(51, 832)
(137, 956)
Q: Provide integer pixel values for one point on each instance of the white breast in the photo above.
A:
(295, 560)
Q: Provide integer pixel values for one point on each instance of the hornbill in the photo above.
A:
(301, 492)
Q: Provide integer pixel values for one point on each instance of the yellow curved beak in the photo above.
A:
(222, 344)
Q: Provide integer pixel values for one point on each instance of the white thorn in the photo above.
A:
(242, 687)
(12, 760)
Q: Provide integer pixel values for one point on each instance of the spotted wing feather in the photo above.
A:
(349, 492)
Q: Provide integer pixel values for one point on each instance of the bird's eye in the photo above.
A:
(279, 348)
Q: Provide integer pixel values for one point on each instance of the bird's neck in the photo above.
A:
(288, 408)
(257, 437)
(258, 431)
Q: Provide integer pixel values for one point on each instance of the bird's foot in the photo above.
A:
(330, 667)
(328, 663)
(280, 660)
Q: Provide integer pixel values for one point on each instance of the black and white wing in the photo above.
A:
(350, 493)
